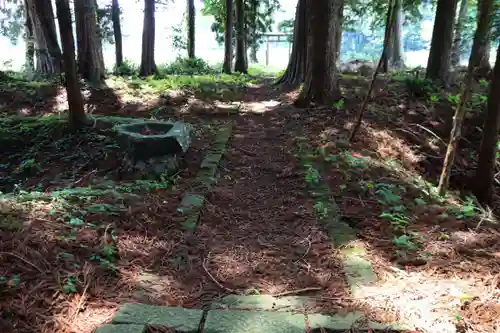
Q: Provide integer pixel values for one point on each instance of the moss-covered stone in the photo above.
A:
(351, 320)
(237, 321)
(121, 329)
(183, 320)
(147, 139)
(190, 204)
(358, 270)
(264, 302)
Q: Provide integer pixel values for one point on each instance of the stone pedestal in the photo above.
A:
(154, 148)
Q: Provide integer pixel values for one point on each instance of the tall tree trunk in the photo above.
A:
(252, 30)
(148, 64)
(485, 14)
(117, 31)
(459, 26)
(387, 54)
(77, 116)
(321, 84)
(338, 34)
(90, 58)
(295, 71)
(488, 151)
(191, 28)
(438, 64)
(228, 39)
(397, 37)
(253, 54)
(456, 132)
(47, 50)
(241, 61)
(30, 41)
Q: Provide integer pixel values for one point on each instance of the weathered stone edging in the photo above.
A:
(248, 314)
(357, 268)
(193, 200)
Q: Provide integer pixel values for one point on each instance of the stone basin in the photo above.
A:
(149, 139)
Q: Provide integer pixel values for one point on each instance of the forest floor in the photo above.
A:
(79, 237)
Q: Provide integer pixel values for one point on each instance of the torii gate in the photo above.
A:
(277, 37)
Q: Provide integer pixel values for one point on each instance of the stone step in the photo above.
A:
(243, 314)
(121, 329)
(264, 303)
(182, 320)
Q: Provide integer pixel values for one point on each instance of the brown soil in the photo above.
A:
(258, 231)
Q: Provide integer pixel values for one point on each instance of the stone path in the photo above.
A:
(245, 314)
(261, 313)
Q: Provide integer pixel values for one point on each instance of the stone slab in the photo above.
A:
(211, 161)
(264, 303)
(343, 323)
(358, 269)
(183, 320)
(238, 321)
(191, 221)
(121, 329)
(191, 203)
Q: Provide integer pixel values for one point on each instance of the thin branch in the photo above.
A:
(297, 291)
(374, 77)
(25, 260)
(214, 279)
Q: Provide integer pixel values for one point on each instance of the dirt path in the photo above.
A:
(258, 231)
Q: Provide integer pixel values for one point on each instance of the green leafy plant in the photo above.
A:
(418, 86)
(388, 195)
(128, 67)
(76, 222)
(69, 286)
(405, 241)
(355, 162)
(103, 262)
(321, 209)
(339, 104)
(186, 66)
(454, 99)
(468, 209)
(399, 221)
(29, 165)
(312, 174)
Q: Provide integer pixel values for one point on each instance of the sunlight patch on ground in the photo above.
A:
(390, 146)
(260, 107)
(89, 317)
(232, 263)
(421, 301)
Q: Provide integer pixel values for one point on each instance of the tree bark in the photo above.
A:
(148, 64)
(30, 41)
(321, 84)
(241, 61)
(488, 151)
(191, 28)
(228, 39)
(438, 64)
(338, 34)
(459, 26)
(456, 132)
(252, 31)
(485, 19)
(386, 54)
(90, 58)
(77, 116)
(295, 71)
(47, 50)
(117, 31)
(397, 60)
